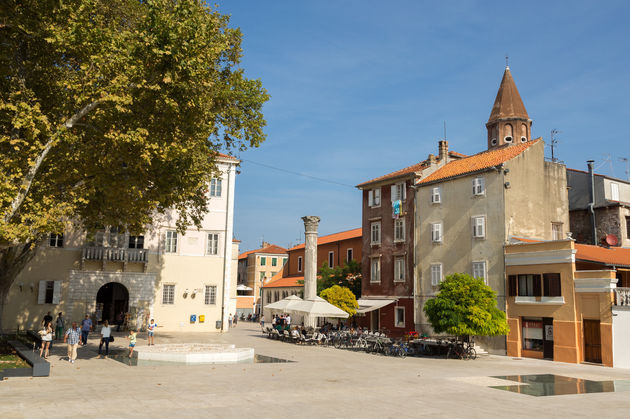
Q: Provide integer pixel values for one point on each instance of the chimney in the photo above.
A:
(432, 159)
(591, 205)
(443, 147)
(265, 244)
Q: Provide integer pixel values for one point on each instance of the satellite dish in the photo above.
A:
(612, 240)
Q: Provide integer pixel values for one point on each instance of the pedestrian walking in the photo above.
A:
(262, 321)
(59, 326)
(72, 337)
(230, 320)
(151, 331)
(106, 333)
(46, 333)
(86, 327)
(132, 341)
(235, 321)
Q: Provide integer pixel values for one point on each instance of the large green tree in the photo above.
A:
(111, 110)
(465, 306)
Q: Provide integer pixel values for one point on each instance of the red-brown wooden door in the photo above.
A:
(592, 341)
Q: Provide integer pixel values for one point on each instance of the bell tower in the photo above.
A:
(509, 123)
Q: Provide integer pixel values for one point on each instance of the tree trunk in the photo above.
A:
(13, 259)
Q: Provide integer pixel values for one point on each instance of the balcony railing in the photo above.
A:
(115, 254)
(622, 296)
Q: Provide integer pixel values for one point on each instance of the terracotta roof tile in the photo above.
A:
(617, 256)
(508, 103)
(344, 235)
(271, 249)
(480, 161)
(226, 156)
(287, 281)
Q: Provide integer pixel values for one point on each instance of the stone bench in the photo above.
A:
(41, 367)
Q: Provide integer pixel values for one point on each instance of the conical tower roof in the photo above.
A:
(508, 103)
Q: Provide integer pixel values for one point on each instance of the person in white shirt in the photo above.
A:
(287, 319)
(106, 332)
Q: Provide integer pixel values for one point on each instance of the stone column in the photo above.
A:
(310, 256)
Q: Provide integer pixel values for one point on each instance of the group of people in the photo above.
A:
(76, 336)
(282, 321)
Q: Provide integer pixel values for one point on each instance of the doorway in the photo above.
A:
(374, 320)
(548, 337)
(592, 341)
(112, 299)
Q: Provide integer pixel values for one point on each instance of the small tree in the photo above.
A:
(466, 306)
(341, 297)
(348, 275)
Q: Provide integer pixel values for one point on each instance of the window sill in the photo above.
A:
(399, 241)
(375, 282)
(539, 300)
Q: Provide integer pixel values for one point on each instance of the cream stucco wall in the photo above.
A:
(189, 268)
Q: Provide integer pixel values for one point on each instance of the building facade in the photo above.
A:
(611, 208)
(255, 268)
(469, 208)
(186, 282)
(388, 225)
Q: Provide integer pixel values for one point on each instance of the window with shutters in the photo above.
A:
(375, 229)
(274, 261)
(551, 285)
(478, 186)
(614, 191)
(55, 240)
(556, 231)
(436, 273)
(375, 270)
(331, 259)
(211, 294)
(479, 227)
(399, 269)
(436, 197)
(263, 261)
(299, 263)
(479, 270)
(436, 232)
(168, 294)
(374, 197)
(399, 230)
(213, 244)
(349, 255)
(399, 313)
(215, 187)
(171, 242)
(398, 192)
(49, 292)
(529, 285)
(535, 285)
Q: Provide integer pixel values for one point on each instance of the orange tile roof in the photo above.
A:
(271, 249)
(245, 301)
(407, 170)
(226, 156)
(480, 161)
(287, 281)
(617, 256)
(335, 237)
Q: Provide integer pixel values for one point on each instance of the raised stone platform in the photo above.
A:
(194, 353)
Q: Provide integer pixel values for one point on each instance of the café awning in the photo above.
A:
(367, 305)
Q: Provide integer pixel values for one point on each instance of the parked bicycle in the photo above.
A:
(461, 350)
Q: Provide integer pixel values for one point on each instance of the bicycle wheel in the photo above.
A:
(471, 353)
(402, 351)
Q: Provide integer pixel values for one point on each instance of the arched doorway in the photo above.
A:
(112, 299)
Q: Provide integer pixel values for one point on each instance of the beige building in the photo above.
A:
(186, 282)
(468, 209)
(256, 268)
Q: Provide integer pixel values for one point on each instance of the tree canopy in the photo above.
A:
(341, 297)
(113, 109)
(348, 275)
(465, 306)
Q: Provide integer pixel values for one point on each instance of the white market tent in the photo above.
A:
(285, 304)
(317, 307)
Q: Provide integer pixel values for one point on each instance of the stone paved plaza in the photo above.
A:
(323, 382)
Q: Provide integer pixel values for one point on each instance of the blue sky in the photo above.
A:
(362, 88)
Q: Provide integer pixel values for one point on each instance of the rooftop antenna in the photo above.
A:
(554, 143)
(444, 130)
(627, 161)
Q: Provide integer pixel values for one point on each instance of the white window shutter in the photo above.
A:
(377, 196)
(403, 191)
(56, 292)
(393, 194)
(371, 198)
(41, 297)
